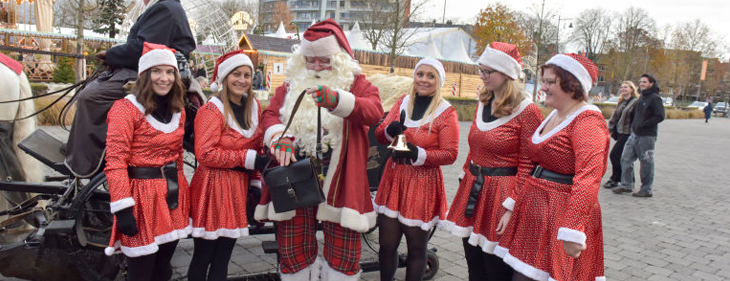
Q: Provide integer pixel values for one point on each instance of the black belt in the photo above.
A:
(167, 172)
(542, 173)
(479, 174)
(240, 169)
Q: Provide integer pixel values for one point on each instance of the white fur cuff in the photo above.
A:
(121, 204)
(248, 163)
(330, 274)
(271, 131)
(266, 212)
(570, 235)
(345, 105)
(421, 157)
(311, 272)
(509, 204)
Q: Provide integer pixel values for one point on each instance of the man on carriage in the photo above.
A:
(163, 22)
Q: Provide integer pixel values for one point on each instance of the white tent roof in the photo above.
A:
(450, 41)
(425, 48)
(458, 53)
(357, 40)
(281, 31)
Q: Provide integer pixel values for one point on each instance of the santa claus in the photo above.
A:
(324, 67)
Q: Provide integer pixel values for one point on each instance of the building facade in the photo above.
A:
(345, 12)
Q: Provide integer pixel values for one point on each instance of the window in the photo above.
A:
(342, 15)
(600, 79)
(342, 3)
(332, 15)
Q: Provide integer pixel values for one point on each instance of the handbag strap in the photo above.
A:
(319, 124)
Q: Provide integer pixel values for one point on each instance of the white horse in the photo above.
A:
(14, 87)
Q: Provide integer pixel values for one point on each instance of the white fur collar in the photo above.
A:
(415, 123)
(536, 138)
(486, 126)
(163, 127)
(231, 119)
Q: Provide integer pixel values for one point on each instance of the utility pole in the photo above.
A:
(80, 17)
(443, 18)
(537, 54)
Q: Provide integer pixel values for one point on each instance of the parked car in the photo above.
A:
(697, 105)
(667, 101)
(720, 109)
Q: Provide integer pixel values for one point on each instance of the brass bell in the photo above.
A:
(399, 144)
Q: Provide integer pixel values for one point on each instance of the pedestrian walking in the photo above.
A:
(555, 230)
(619, 125)
(708, 110)
(497, 164)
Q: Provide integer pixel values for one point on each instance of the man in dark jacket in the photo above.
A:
(648, 113)
(163, 22)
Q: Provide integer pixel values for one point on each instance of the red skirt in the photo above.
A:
(530, 243)
(413, 195)
(480, 228)
(219, 199)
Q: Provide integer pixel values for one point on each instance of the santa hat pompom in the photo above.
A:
(227, 63)
(154, 55)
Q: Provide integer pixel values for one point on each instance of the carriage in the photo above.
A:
(65, 223)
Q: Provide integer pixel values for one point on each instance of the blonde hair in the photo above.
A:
(634, 90)
(511, 98)
(436, 101)
(224, 95)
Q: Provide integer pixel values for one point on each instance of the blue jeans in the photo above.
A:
(642, 148)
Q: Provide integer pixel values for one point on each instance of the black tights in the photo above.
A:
(152, 267)
(519, 277)
(391, 231)
(483, 266)
(210, 258)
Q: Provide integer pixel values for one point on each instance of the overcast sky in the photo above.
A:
(714, 13)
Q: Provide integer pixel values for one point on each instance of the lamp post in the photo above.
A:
(557, 43)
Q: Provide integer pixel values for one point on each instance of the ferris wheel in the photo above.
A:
(207, 21)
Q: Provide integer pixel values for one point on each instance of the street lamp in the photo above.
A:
(557, 44)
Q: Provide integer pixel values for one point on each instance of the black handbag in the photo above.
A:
(297, 185)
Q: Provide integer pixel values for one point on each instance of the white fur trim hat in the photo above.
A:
(579, 66)
(436, 65)
(227, 63)
(324, 39)
(502, 57)
(154, 55)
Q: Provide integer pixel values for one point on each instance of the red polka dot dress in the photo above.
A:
(548, 213)
(136, 140)
(218, 193)
(414, 194)
(501, 143)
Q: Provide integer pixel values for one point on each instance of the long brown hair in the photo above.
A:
(142, 90)
(224, 96)
(511, 98)
(634, 90)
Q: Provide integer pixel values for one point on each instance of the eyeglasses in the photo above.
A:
(548, 82)
(485, 73)
(321, 61)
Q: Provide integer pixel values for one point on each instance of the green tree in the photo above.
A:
(110, 15)
(64, 72)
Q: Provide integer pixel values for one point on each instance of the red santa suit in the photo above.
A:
(414, 194)
(548, 213)
(138, 140)
(501, 143)
(218, 193)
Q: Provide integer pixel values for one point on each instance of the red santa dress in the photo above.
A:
(138, 140)
(501, 143)
(414, 194)
(345, 186)
(548, 213)
(218, 193)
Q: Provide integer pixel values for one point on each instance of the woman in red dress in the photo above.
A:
(497, 163)
(555, 232)
(411, 197)
(227, 145)
(149, 193)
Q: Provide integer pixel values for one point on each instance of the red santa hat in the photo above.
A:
(154, 55)
(502, 57)
(227, 63)
(581, 67)
(323, 39)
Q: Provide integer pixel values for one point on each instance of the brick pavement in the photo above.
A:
(682, 233)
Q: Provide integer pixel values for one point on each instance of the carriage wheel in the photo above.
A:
(91, 236)
(432, 265)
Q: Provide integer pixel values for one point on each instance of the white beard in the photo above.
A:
(304, 125)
